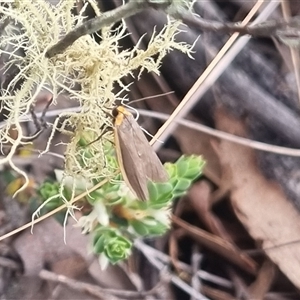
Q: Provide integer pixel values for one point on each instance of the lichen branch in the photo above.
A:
(106, 19)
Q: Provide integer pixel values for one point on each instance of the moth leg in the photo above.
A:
(104, 129)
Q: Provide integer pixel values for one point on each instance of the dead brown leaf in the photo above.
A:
(260, 204)
(45, 246)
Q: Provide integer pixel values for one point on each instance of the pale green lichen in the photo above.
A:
(87, 70)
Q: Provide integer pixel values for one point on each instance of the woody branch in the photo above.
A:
(277, 28)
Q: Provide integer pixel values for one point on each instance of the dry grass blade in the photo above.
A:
(53, 212)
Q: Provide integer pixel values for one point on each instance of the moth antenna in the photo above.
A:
(151, 135)
(152, 97)
(137, 117)
(137, 114)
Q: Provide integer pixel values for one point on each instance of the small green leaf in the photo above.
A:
(182, 167)
(157, 205)
(99, 243)
(174, 182)
(158, 229)
(49, 189)
(152, 189)
(163, 199)
(183, 185)
(139, 227)
(149, 226)
(164, 188)
(140, 205)
(193, 173)
(171, 169)
(162, 191)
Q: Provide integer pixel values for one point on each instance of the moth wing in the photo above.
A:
(152, 166)
(139, 160)
(129, 161)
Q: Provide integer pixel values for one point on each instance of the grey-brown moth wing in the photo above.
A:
(139, 161)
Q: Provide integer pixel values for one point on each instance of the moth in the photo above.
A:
(137, 160)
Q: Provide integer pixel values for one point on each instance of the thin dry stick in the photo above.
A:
(51, 213)
(193, 125)
(166, 259)
(192, 96)
(95, 289)
(196, 265)
(106, 19)
(166, 275)
(224, 135)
